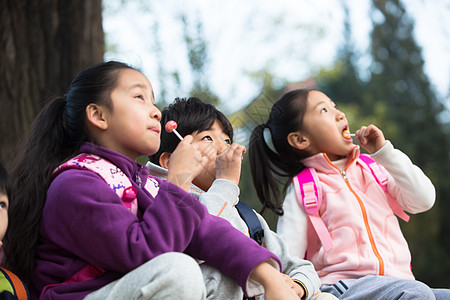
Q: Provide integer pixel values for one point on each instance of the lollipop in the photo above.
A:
(171, 127)
(347, 134)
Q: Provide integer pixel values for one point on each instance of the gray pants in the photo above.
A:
(168, 276)
(220, 286)
(384, 288)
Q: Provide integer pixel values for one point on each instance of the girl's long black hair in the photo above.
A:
(55, 136)
(271, 169)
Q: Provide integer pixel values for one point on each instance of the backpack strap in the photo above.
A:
(17, 285)
(309, 196)
(254, 226)
(382, 180)
(110, 173)
(118, 182)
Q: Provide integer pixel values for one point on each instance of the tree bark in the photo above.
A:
(43, 45)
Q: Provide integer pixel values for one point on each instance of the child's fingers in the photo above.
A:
(361, 134)
(187, 139)
(237, 149)
(234, 151)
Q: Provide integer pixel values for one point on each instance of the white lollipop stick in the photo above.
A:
(347, 134)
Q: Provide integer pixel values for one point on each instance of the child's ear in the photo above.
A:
(164, 160)
(96, 115)
(298, 140)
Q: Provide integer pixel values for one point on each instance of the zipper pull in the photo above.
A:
(138, 178)
(344, 175)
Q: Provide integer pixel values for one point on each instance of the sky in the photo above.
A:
(290, 39)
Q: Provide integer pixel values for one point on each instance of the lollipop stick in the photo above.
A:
(177, 134)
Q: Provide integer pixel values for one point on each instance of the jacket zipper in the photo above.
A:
(366, 223)
(138, 178)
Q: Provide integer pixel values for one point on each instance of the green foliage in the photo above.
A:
(398, 80)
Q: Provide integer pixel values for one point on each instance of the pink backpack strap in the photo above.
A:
(309, 196)
(117, 181)
(112, 175)
(382, 180)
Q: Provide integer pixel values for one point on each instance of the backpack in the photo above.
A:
(309, 196)
(118, 182)
(11, 287)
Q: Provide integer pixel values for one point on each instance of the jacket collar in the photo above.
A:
(322, 163)
(129, 167)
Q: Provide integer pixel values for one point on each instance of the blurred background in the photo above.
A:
(385, 62)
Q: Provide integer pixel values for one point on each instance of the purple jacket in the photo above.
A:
(84, 222)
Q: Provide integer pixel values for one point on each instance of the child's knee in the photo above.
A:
(417, 290)
(172, 274)
(184, 273)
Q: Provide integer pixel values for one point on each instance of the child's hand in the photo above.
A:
(294, 286)
(185, 163)
(228, 163)
(275, 286)
(370, 138)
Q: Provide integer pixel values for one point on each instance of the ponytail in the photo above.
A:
(263, 171)
(273, 161)
(43, 149)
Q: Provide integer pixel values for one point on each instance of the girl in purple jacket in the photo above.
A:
(64, 224)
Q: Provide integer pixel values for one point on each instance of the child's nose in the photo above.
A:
(339, 115)
(221, 147)
(156, 114)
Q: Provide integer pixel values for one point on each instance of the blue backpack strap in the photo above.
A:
(382, 180)
(252, 221)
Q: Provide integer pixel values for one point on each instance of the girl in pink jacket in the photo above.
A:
(364, 254)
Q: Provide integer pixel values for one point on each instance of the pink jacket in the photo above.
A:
(366, 234)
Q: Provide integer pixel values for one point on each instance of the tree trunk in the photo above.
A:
(43, 45)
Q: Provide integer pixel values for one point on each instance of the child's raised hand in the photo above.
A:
(370, 138)
(185, 163)
(228, 163)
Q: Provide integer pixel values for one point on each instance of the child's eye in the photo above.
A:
(227, 141)
(3, 205)
(140, 97)
(323, 110)
(207, 138)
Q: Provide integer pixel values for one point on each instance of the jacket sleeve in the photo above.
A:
(293, 224)
(85, 216)
(408, 184)
(221, 198)
(293, 266)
